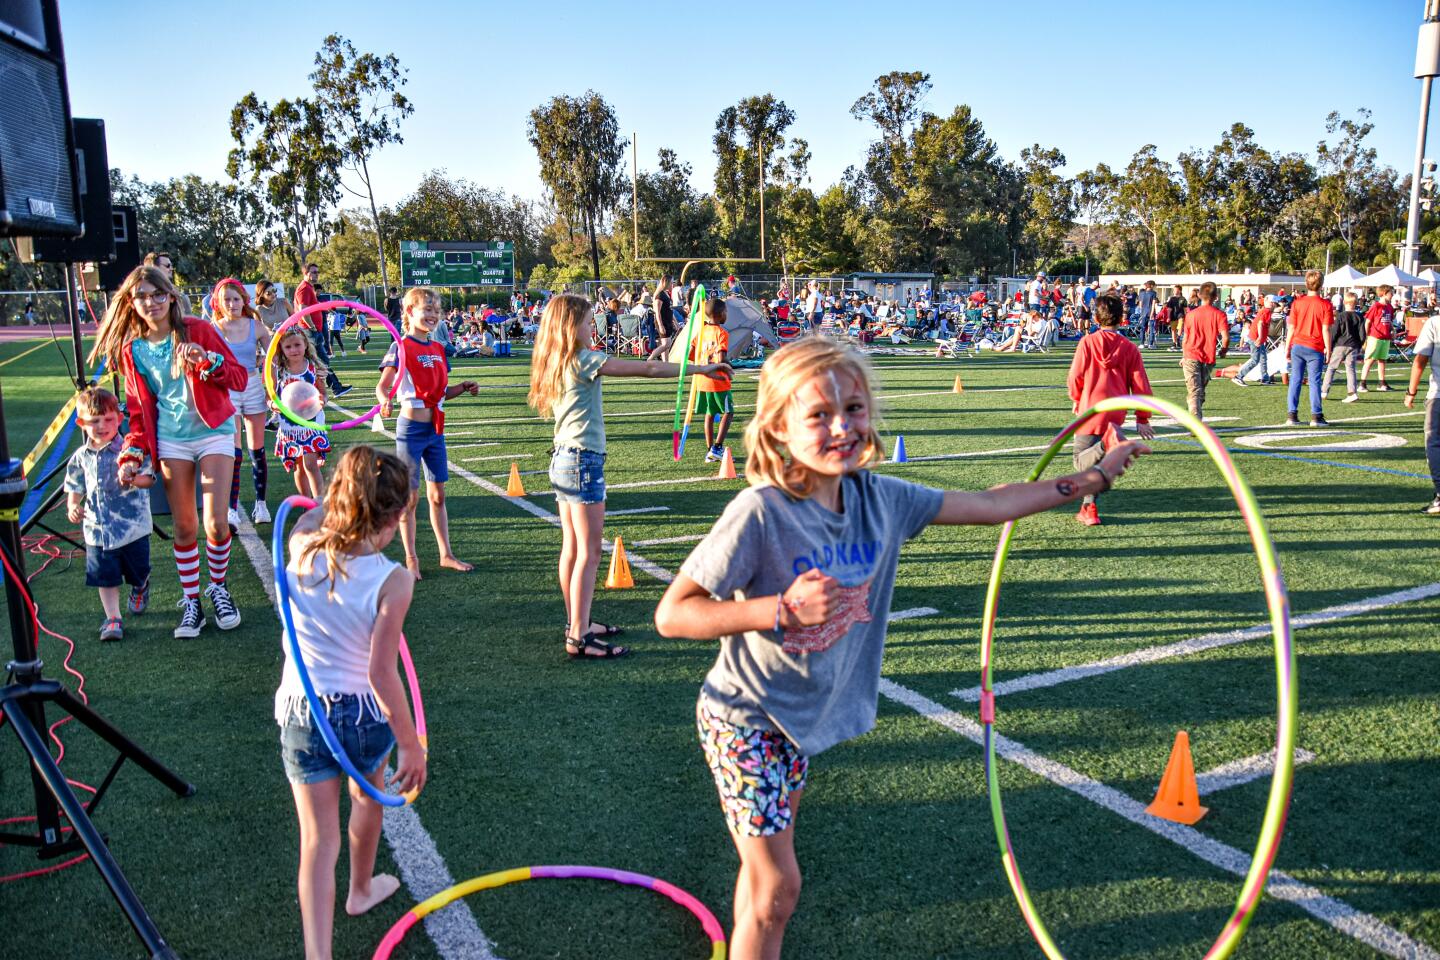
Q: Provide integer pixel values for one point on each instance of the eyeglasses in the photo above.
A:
(156, 297)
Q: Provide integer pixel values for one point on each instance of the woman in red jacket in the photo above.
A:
(178, 376)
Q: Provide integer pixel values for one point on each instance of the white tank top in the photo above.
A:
(334, 631)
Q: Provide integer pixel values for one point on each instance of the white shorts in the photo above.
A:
(252, 399)
(193, 450)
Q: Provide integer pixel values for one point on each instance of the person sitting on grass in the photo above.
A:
(1106, 365)
(420, 429)
(796, 580)
(349, 603)
(713, 399)
(110, 500)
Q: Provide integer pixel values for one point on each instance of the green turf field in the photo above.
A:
(537, 760)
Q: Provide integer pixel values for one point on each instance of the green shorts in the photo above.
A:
(716, 403)
(1377, 349)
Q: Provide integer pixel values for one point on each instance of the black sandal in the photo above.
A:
(589, 647)
(606, 631)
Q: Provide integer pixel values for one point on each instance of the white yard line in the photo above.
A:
(688, 538)
(454, 931)
(621, 513)
(471, 443)
(1242, 771)
(1209, 641)
(645, 483)
(498, 456)
(1346, 919)
(912, 613)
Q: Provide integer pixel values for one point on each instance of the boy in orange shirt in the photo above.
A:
(712, 394)
(1106, 365)
(1205, 328)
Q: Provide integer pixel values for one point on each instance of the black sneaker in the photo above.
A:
(1433, 508)
(227, 615)
(191, 618)
(1319, 421)
(343, 389)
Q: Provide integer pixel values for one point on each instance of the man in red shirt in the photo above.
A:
(1206, 328)
(1311, 318)
(305, 296)
(1258, 333)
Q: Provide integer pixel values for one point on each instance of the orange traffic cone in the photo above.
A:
(1178, 798)
(959, 387)
(514, 488)
(619, 578)
(727, 467)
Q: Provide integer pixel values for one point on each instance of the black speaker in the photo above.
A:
(92, 164)
(39, 195)
(127, 248)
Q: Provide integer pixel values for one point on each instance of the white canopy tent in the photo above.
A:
(1343, 277)
(1430, 276)
(1391, 276)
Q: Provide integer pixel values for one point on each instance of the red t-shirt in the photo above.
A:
(1204, 328)
(1260, 326)
(1379, 316)
(1310, 317)
(305, 297)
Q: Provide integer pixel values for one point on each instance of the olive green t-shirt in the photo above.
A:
(579, 419)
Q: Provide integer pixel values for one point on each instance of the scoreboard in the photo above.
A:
(458, 263)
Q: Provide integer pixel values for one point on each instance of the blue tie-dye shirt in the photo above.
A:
(114, 515)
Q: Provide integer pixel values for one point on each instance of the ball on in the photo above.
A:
(302, 398)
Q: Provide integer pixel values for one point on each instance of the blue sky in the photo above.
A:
(1097, 79)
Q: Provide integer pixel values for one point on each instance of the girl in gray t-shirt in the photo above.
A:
(795, 581)
(565, 374)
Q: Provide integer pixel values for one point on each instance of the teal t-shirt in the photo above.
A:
(176, 417)
(579, 419)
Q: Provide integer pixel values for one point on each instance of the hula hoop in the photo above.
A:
(269, 369)
(1278, 602)
(317, 709)
(490, 881)
(693, 320)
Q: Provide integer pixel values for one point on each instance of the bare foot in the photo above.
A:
(452, 562)
(382, 885)
(413, 565)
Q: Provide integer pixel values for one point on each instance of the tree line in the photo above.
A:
(932, 193)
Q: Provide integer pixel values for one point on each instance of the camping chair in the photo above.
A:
(630, 339)
(1404, 341)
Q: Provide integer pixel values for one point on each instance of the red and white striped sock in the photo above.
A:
(217, 555)
(187, 565)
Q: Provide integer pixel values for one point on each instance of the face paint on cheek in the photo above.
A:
(838, 401)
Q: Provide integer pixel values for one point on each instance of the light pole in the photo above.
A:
(1427, 68)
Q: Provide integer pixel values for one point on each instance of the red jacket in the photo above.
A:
(1106, 365)
(212, 395)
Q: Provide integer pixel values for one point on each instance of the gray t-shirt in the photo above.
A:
(816, 685)
(579, 418)
(1428, 345)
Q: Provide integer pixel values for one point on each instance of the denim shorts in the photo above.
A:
(578, 476)
(417, 443)
(109, 568)
(358, 723)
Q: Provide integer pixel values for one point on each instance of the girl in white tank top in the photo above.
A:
(349, 604)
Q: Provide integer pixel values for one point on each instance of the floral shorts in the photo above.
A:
(755, 771)
(290, 448)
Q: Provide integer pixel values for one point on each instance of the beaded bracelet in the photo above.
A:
(215, 360)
